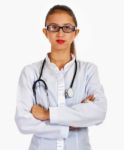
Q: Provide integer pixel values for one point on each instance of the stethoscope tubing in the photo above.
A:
(45, 85)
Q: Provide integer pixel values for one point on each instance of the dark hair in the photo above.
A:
(58, 8)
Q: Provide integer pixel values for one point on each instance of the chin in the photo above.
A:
(60, 47)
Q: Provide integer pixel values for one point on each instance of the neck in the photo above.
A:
(60, 58)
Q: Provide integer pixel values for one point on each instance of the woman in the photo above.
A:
(60, 97)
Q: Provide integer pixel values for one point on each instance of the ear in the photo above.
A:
(45, 32)
(76, 32)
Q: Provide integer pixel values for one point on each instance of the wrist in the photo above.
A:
(47, 114)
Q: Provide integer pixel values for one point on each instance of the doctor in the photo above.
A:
(60, 97)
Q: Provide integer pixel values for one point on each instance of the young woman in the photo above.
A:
(60, 97)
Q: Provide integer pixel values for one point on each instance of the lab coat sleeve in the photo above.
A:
(83, 114)
(24, 119)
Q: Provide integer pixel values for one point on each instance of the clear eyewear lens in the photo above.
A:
(68, 29)
(53, 28)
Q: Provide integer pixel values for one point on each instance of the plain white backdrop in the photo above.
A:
(101, 41)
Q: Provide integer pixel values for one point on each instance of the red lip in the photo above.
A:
(60, 41)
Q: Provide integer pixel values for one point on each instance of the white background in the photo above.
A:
(101, 41)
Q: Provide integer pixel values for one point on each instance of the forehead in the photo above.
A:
(60, 18)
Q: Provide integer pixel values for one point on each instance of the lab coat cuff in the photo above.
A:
(53, 120)
(54, 116)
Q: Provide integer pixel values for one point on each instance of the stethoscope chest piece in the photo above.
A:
(69, 93)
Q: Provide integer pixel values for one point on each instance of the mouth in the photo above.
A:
(60, 41)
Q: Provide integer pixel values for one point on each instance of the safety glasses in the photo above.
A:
(66, 28)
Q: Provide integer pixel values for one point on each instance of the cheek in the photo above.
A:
(71, 37)
(51, 37)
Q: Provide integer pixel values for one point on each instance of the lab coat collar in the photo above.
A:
(55, 68)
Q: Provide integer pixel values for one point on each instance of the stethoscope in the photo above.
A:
(68, 92)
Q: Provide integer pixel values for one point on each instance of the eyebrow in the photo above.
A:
(61, 25)
(69, 24)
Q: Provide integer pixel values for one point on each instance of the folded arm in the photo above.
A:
(83, 114)
(25, 120)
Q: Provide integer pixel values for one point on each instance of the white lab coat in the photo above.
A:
(55, 134)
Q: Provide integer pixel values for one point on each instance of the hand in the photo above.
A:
(88, 99)
(40, 113)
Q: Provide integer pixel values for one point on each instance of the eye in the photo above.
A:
(69, 28)
(52, 27)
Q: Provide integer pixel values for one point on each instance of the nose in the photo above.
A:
(60, 32)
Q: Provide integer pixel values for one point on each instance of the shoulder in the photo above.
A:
(86, 66)
(88, 69)
(32, 69)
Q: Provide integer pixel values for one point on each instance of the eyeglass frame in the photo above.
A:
(61, 27)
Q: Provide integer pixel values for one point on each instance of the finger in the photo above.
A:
(91, 97)
(82, 101)
(86, 99)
